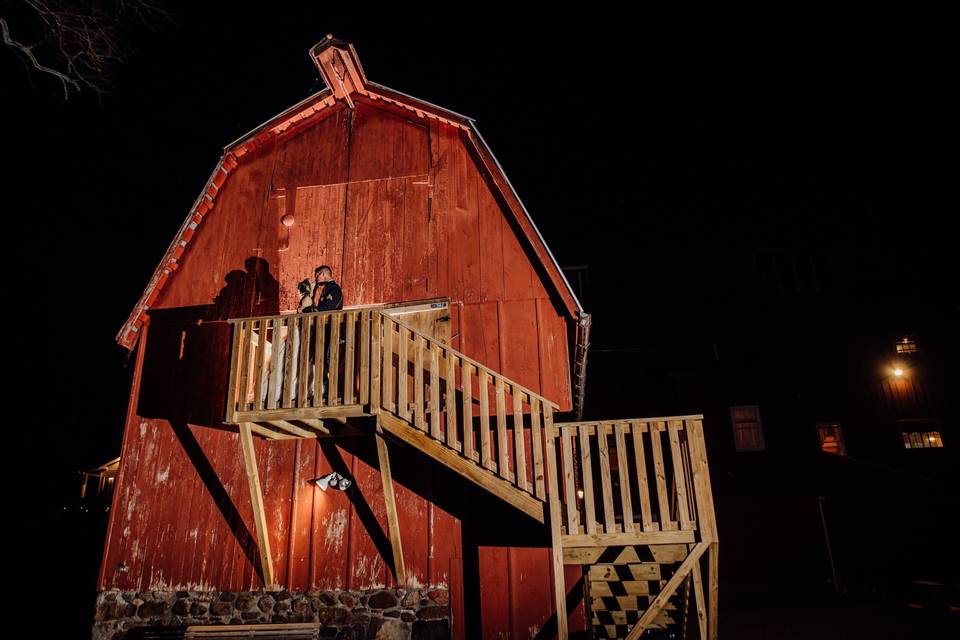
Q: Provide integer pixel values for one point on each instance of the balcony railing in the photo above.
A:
(299, 366)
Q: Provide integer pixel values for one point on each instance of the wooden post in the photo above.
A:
(393, 524)
(256, 499)
(698, 598)
(556, 553)
(236, 397)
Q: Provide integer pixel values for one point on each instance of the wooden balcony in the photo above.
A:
(300, 376)
(290, 372)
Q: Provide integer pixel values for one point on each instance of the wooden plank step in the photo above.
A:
(296, 631)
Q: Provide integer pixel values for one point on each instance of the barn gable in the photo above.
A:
(321, 182)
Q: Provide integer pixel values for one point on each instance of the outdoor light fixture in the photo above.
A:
(334, 480)
(898, 372)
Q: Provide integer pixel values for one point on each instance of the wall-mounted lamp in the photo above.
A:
(334, 480)
(898, 372)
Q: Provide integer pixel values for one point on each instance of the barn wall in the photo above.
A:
(401, 212)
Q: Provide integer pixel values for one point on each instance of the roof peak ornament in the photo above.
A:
(340, 68)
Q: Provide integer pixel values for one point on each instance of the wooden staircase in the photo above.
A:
(627, 501)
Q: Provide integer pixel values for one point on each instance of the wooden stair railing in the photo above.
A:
(630, 501)
(612, 487)
(290, 373)
(480, 416)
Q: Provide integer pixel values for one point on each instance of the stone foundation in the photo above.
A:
(381, 614)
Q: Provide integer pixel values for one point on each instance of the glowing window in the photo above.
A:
(906, 344)
(831, 438)
(747, 430)
(921, 434)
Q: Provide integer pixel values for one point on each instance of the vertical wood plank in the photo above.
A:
(333, 375)
(519, 444)
(435, 392)
(699, 599)
(623, 469)
(290, 362)
(365, 357)
(403, 406)
(586, 471)
(376, 357)
(569, 480)
(556, 553)
(703, 495)
(713, 557)
(663, 501)
(606, 479)
(683, 506)
(643, 484)
(386, 372)
(466, 384)
(273, 390)
(483, 392)
(320, 356)
(536, 441)
(237, 393)
(303, 361)
(418, 384)
(349, 375)
(451, 400)
(502, 463)
(259, 400)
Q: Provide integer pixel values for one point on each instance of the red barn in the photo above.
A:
(393, 467)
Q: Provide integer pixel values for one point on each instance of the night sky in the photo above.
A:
(661, 149)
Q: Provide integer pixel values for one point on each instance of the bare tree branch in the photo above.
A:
(28, 52)
(77, 41)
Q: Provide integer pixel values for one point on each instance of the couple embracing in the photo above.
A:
(323, 295)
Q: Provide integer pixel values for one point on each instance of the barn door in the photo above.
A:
(430, 317)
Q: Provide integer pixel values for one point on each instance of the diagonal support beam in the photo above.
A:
(668, 590)
(256, 499)
(393, 524)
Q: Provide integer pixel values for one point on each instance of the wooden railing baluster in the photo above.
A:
(537, 445)
(683, 510)
(663, 500)
(519, 444)
(333, 373)
(403, 406)
(376, 339)
(569, 481)
(484, 394)
(386, 372)
(365, 341)
(451, 399)
(503, 463)
(349, 378)
(435, 392)
(586, 472)
(606, 480)
(466, 383)
(626, 504)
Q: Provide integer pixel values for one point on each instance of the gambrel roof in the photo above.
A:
(340, 67)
